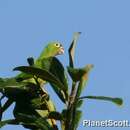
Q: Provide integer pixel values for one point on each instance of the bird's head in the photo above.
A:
(54, 48)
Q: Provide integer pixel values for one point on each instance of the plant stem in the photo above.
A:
(69, 114)
(48, 108)
(52, 120)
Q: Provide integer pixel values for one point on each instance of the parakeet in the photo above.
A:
(51, 50)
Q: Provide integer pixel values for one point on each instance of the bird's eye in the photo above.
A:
(57, 45)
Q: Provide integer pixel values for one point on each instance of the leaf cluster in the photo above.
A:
(34, 108)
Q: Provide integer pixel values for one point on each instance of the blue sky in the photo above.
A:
(26, 26)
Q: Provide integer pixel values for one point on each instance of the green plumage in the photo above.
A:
(51, 50)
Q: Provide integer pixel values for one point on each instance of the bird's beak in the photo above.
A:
(61, 50)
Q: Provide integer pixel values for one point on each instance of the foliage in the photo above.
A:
(33, 106)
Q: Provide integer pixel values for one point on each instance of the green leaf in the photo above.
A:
(23, 77)
(10, 88)
(23, 105)
(84, 79)
(50, 105)
(63, 122)
(72, 49)
(38, 103)
(76, 120)
(9, 82)
(13, 92)
(54, 66)
(41, 73)
(64, 113)
(79, 103)
(117, 101)
(76, 73)
(8, 122)
(55, 115)
(31, 121)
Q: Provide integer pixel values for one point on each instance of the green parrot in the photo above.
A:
(51, 50)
